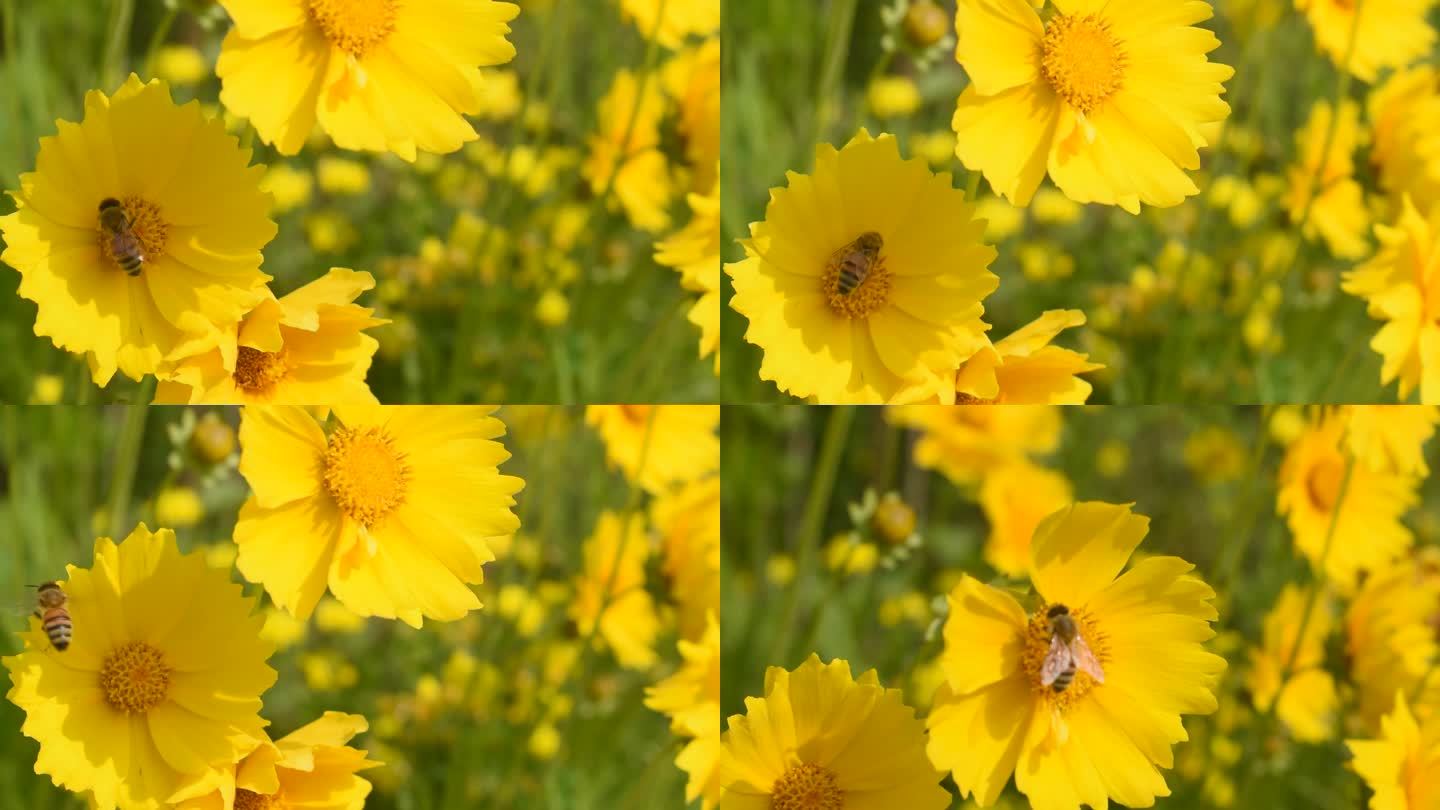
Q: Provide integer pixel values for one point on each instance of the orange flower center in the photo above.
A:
(1082, 60)
(134, 678)
(257, 372)
(1323, 483)
(145, 231)
(852, 300)
(807, 787)
(354, 26)
(249, 800)
(1037, 646)
(365, 473)
(636, 414)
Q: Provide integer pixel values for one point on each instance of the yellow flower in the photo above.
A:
(691, 699)
(967, 442)
(1403, 766)
(378, 75)
(553, 308)
(611, 591)
(1015, 498)
(819, 734)
(308, 348)
(310, 769)
(688, 520)
(47, 389)
(1024, 369)
(390, 510)
(179, 506)
(342, 176)
(181, 65)
(1309, 703)
(1391, 438)
(668, 22)
(1402, 288)
(195, 211)
(1367, 532)
(893, 97)
(1109, 98)
(160, 687)
(1390, 33)
(900, 333)
(1404, 115)
(625, 158)
(289, 186)
(700, 115)
(1337, 210)
(695, 252)
(1214, 455)
(1390, 637)
(1099, 739)
(659, 446)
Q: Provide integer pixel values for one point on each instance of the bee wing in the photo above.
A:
(1057, 660)
(1085, 660)
(123, 242)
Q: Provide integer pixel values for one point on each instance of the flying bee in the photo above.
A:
(54, 617)
(856, 260)
(1068, 653)
(124, 245)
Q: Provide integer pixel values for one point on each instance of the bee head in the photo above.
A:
(109, 202)
(50, 594)
(1056, 610)
(870, 240)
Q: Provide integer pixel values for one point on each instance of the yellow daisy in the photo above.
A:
(659, 446)
(700, 115)
(1403, 766)
(1404, 115)
(1390, 34)
(1337, 211)
(390, 509)
(1024, 369)
(625, 157)
(864, 282)
(1391, 438)
(611, 591)
(691, 699)
(160, 687)
(1098, 739)
(688, 520)
(378, 75)
(1368, 533)
(1401, 287)
(1113, 98)
(307, 348)
(695, 252)
(192, 212)
(820, 738)
(311, 769)
(1391, 641)
(1015, 498)
(670, 21)
(967, 442)
(1309, 703)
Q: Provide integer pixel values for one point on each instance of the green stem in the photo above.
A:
(1234, 552)
(821, 485)
(127, 459)
(122, 13)
(162, 30)
(837, 47)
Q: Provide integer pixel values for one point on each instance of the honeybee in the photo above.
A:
(54, 617)
(1068, 653)
(124, 245)
(856, 260)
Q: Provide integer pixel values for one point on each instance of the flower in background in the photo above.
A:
(995, 716)
(691, 699)
(305, 348)
(688, 520)
(695, 252)
(1391, 438)
(1403, 766)
(700, 115)
(384, 76)
(166, 652)
(1113, 105)
(968, 442)
(1016, 497)
(819, 734)
(1390, 34)
(610, 597)
(1323, 183)
(192, 205)
(659, 446)
(390, 511)
(1391, 639)
(1024, 369)
(1404, 115)
(893, 97)
(668, 22)
(625, 157)
(1291, 669)
(896, 334)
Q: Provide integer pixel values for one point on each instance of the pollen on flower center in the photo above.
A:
(146, 224)
(1037, 645)
(354, 26)
(365, 473)
(1082, 60)
(134, 678)
(1323, 483)
(872, 293)
(257, 372)
(807, 787)
(962, 398)
(249, 800)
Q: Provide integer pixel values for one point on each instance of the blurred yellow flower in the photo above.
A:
(181, 65)
(47, 389)
(553, 308)
(1024, 369)
(342, 176)
(818, 735)
(377, 76)
(1391, 438)
(1107, 99)
(670, 21)
(200, 236)
(1404, 115)
(1403, 766)
(610, 597)
(1214, 455)
(688, 520)
(1389, 34)
(307, 348)
(1002, 220)
(179, 507)
(915, 314)
(544, 742)
(390, 511)
(282, 629)
(625, 160)
(938, 148)
(995, 716)
(1391, 642)
(1016, 497)
(848, 555)
(141, 675)
(659, 446)
(1113, 458)
(691, 699)
(694, 251)
(1309, 704)
(1323, 182)
(893, 97)
(290, 187)
(780, 570)
(967, 442)
(502, 99)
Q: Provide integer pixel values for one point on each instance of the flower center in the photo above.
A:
(807, 787)
(1082, 60)
(962, 398)
(636, 414)
(365, 473)
(144, 230)
(354, 26)
(134, 678)
(1323, 483)
(249, 800)
(257, 372)
(1037, 646)
(862, 299)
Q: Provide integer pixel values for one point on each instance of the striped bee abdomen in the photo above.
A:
(58, 627)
